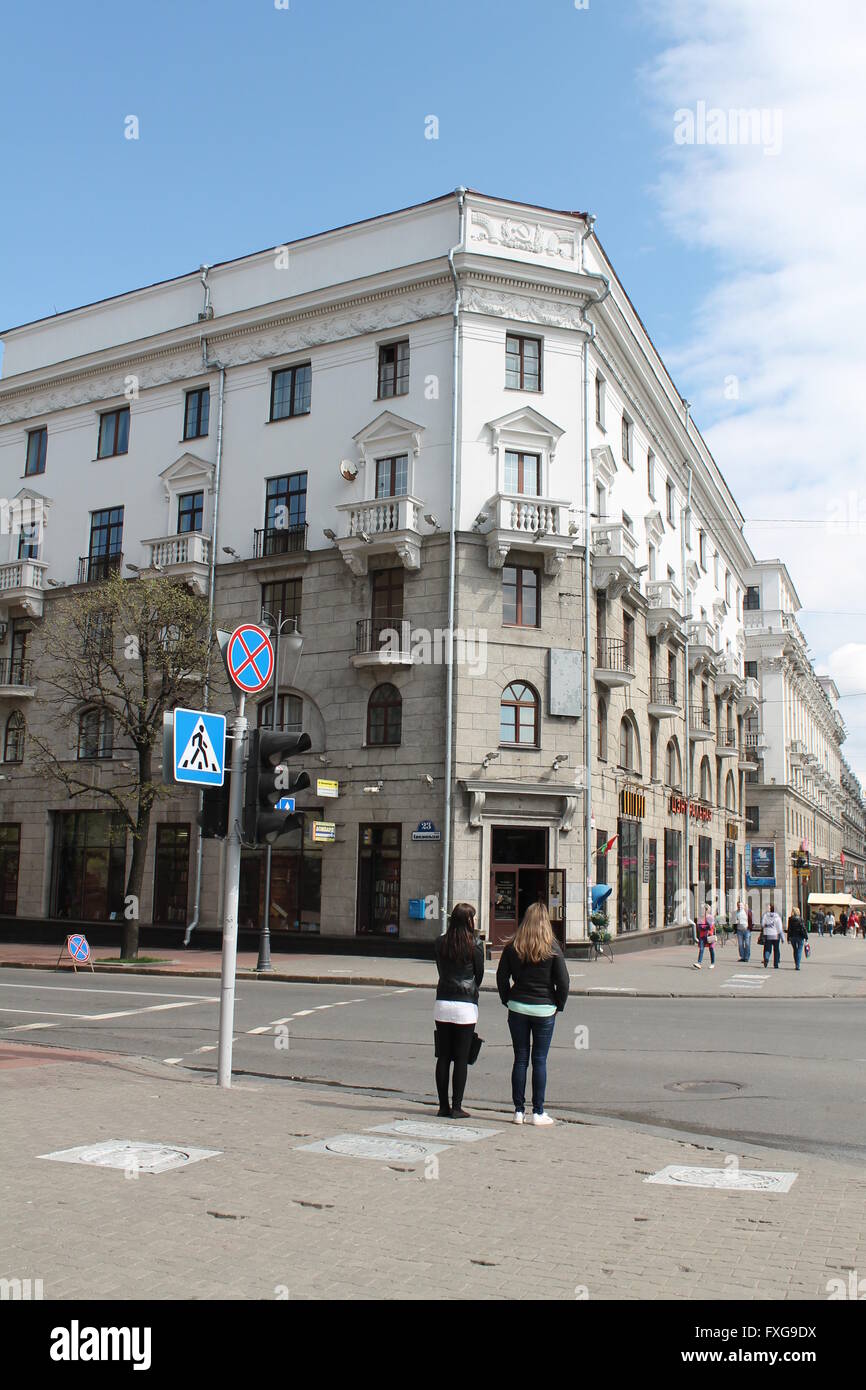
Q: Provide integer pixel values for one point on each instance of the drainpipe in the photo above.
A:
(208, 366)
(685, 521)
(452, 570)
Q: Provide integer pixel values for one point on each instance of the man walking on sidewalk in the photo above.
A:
(744, 935)
(772, 935)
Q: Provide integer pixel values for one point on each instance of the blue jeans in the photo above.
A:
(797, 947)
(526, 1029)
(744, 941)
(774, 947)
(702, 946)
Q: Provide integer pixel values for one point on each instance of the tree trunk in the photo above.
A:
(132, 903)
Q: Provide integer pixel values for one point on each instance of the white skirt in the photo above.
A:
(454, 1011)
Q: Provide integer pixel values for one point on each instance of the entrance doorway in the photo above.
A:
(519, 877)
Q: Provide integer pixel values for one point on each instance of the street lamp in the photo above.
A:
(294, 642)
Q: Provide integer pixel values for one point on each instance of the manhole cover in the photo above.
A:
(428, 1129)
(731, 1179)
(132, 1155)
(374, 1146)
(706, 1088)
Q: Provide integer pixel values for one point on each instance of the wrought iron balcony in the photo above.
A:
(700, 726)
(93, 568)
(614, 661)
(382, 642)
(663, 700)
(726, 742)
(16, 675)
(280, 540)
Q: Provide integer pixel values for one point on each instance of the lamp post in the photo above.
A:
(277, 624)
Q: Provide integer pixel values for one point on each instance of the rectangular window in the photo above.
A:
(171, 875)
(392, 476)
(753, 599)
(282, 597)
(522, 474)
(387, 596)
(628, 848)
(673, 855)
(601, 839)
(106, 539)
(37, 451)
(651, 556)
(95, 735)
(626, 440)
(705, 850)
(753, 820)
(394, 369)
(628, 523)
(628, 639)
(522, 363)
(196, 413)
(651, 474)
(652, 872)
(10, 846)
(520, 597)
(702, 549)
(728, 587)
(750, 668)
(285, 514)
(378, 905)
(291, 391)
(599, 400)
(28, 541)
(87, 879)
(113, 433)
(190, 512)
(669, 502)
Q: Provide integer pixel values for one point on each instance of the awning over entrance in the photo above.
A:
(834, 900)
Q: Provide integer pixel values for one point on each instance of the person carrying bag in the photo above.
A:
(460, 962)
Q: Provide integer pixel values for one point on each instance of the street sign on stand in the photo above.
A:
(199, 748)
(250, 658)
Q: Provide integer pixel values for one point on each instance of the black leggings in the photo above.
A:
(453, 1041)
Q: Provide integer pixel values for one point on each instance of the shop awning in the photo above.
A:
(834, 900)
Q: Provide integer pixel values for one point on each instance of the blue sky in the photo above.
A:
(259, 125)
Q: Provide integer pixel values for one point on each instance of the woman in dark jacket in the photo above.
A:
(532, 980)
(460, 962)
(796, 935)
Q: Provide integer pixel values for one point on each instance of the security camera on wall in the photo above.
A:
(349, 470)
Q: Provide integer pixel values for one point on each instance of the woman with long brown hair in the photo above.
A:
(460, 962)
(532, 980)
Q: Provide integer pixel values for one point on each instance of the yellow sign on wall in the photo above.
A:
(326, 787)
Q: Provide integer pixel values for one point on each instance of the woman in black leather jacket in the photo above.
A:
(460, 962)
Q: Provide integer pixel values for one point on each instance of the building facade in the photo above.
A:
(288, 433)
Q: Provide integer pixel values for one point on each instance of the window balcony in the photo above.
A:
(700, 726)
(614, 662)
(22, 587)
(185, 556)
(754, 744)
(796, 750)
(16, 678)
(384, 526)
(93, 568)
(382, 642)
(663, 701)
(726, 743)
(280, 540)
(703, 653)
(665, 614)
(750, 698)
(729, 677)
(614, 558)
(530, 523)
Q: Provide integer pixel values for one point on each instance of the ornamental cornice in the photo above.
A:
(275, 336)
(536, 308)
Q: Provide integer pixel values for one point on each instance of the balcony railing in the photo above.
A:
(92, 568)
(279, 540)
(727, 738)
(699, 719)
(531, 516)
(382, 516)
(663, 692)
(615, 539)
(390, 636)
(663, 593)
(614, 654)
(14, 671)
(22, 574)
(187, 548)
(702, 634)
(752, 743)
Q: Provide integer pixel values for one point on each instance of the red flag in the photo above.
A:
(610, 844)
(842, 858)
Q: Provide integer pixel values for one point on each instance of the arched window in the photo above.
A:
(731, 793)
(518, 715)
(13, 743)
(95, 734)
(706, 780)
(384, 716)
(290, 714)
(654, 750)
(629, 747)
(601, 726)
(673, 767)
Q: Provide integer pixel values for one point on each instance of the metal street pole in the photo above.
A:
(231, 891)
(264, 960)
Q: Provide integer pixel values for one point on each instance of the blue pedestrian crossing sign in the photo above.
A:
(199, 748)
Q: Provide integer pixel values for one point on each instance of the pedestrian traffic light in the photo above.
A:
(269, 781)
(213, 818)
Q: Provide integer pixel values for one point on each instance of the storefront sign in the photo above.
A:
(325, 787)
(632, 803)
(697, 810)
(732, 830)
(324, 831)
(760, 866)
(426, 831)
(646, 862)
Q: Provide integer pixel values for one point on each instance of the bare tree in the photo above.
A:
(115, 657)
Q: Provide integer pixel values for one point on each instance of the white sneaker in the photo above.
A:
(543, 1119)
(518, 1117)
(695, 965)
(713, 966)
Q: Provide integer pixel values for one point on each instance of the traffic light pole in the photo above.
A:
(231, 891)
(264, 960)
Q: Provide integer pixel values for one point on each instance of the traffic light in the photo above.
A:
(213, 818)
(269, 779)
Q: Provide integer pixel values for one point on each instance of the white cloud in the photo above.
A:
(786, 315)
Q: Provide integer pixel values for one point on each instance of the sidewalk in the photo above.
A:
(518, 1213)
(836, 970)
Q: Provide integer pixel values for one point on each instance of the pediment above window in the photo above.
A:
(693, 575)
(389, 434)
(189, 473)
(603, 466)
(655, 528)
(527, 430)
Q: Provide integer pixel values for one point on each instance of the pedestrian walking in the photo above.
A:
(532, 980)
(797, 935)
(843, 922)
(706, 933)
(460, 962)
(744, 935)
(818, 920)
(830, 923)
(772, 935)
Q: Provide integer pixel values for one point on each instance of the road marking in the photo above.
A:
(29, 1027)
(266, 1029)
(90, 989)
(120, 1013)
(172, 1061)
(743, 982)
(211, 1047)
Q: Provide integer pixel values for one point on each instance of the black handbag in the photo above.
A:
(474, 1048)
